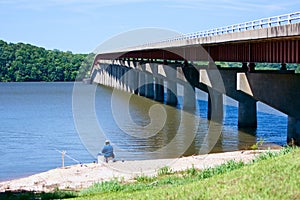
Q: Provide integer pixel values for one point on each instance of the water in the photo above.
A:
(36, 123)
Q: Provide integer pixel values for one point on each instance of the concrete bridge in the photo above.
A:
(188, 60)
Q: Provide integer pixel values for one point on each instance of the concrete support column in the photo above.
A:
(247, 113)
(192, 76)
(158, 83)
(107, 77)
(159, 90)
(293, 136)
(251, 67)
(131, 80)
(171, 93)
(245, 66)
(189, 97)
(149, 86)
(283, 66)
(142, 88)
(100, 75)
(121, 78)
(124, 80)
(109, 69)
(171, 85)
(117, 76)
(135, 81)
(215, 106)
(127, 80)
(103, 76)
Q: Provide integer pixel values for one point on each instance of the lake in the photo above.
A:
(37, 124)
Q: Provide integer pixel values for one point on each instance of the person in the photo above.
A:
(108, 151)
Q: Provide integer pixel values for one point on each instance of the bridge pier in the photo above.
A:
(108, 80)
(114, 75)
(215, 106)
(158, 83)
(171, 93)
(133, 81)
(191, 75)
(251, 67)
(171, 85)
(136, 83)
(149, 86)
(159, 90)
(119, 77)
(142, 87)
(247, 116)
(293, 136)
(189, 97)
(125, 79)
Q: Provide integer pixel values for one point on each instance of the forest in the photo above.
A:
(24, 62)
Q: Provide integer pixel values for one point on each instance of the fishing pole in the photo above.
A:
(65, 153)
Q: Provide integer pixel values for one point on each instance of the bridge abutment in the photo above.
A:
(293, 136)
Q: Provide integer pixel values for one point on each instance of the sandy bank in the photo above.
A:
(82, 176)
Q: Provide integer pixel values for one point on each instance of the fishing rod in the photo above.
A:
(65, 153)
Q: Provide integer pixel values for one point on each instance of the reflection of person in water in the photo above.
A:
(108, 151)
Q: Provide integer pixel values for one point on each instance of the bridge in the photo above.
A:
(189, 60)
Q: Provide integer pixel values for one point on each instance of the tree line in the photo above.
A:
(24, 62)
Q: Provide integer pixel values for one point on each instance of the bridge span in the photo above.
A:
(188, 60)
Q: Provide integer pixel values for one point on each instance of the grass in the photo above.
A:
(24, 195)
(272, 175)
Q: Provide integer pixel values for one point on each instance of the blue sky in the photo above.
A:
(81, 25)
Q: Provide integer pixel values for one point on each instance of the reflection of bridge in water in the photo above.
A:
(188, 60)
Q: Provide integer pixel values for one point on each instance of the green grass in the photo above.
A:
(24, 195)
(270, 176)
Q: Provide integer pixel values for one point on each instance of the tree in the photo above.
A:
(25, 62)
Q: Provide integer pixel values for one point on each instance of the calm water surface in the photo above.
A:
(36, 123)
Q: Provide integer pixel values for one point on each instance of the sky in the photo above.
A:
(81, 26)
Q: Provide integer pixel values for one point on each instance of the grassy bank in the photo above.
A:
(270, 176)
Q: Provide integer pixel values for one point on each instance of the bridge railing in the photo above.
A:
(251, 25)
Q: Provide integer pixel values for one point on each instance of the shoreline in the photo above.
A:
(81, 176)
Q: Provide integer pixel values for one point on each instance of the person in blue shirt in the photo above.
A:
(108, 151)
